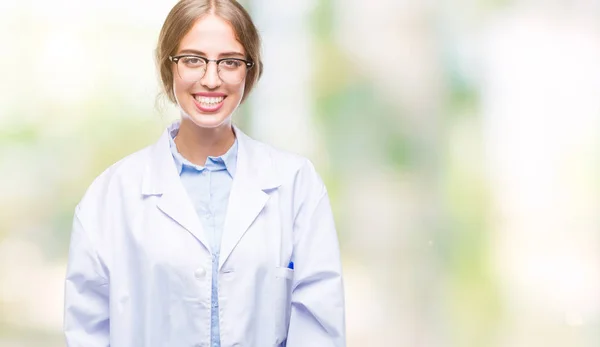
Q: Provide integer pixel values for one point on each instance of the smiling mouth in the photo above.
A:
(209, 102)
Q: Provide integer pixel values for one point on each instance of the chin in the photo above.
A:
(207, 120)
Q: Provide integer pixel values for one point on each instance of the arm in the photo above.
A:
(86, 320)
(317, 315)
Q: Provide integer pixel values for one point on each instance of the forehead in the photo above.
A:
(211, 35)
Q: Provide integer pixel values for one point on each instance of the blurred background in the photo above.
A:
(459, 141)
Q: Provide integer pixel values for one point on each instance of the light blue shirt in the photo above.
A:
(208, 187)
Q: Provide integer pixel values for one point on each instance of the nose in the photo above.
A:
(211, 79)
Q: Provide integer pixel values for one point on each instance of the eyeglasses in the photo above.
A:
(191, 68)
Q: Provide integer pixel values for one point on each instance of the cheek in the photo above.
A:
(238, 90)
(180, 87)
(236, 95)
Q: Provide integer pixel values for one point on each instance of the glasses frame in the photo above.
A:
(175, 59)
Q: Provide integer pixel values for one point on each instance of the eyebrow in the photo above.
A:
(225, 54)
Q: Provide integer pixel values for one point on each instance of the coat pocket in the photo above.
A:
(282, 295)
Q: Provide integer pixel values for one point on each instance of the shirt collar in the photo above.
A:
(227, 161)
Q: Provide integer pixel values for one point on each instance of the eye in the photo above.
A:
(192, 61)
(231, 63)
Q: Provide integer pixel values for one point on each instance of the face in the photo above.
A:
(208, 101)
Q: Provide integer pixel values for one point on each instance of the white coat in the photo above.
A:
(139, 269)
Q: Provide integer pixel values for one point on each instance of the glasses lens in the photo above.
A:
(232, 71)
(191, 69)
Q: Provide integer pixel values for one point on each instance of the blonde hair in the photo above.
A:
(181, 19)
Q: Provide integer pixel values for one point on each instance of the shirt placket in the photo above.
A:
(215, 333)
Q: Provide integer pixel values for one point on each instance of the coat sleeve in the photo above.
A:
(86, 319)
(317, 314)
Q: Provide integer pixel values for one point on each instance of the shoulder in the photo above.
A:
(119, 179)
(280, 157)
(292, 170)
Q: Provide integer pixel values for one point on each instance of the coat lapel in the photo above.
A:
(253, 181)
(162, 179)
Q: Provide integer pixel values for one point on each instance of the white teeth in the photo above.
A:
(209, 101)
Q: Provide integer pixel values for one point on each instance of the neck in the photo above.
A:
(195, 143)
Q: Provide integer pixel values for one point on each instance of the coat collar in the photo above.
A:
(253, 161)
(256, 176)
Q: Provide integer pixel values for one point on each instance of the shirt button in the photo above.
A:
(199, 273)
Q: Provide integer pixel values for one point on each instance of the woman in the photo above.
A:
(206, 238)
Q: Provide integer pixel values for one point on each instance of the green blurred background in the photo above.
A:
(459, 141)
